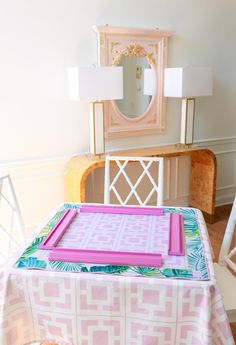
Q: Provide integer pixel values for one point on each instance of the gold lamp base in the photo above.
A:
(97, 129)
(183, 146)
(187, 121)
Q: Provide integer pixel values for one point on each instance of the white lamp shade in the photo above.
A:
(188, 82)
(148, 82)
(95, 83)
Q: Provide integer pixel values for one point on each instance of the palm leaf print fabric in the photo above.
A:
(195, 260)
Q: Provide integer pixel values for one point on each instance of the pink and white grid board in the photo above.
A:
(117, 232)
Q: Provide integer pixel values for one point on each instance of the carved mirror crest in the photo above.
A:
(142, 53)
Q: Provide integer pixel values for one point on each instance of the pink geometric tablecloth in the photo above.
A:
(98, 309)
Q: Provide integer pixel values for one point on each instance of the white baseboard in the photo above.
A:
(225, 152)
(225, 195)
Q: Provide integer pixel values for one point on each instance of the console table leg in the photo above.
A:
(203, 183)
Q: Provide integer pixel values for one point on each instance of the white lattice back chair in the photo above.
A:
(12, 234)
(225, 279)
(151, 171)
(11, 221)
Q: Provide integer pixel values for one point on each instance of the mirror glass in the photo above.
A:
(137, 94)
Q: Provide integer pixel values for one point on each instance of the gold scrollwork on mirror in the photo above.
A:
(132, 50)
(142, 53)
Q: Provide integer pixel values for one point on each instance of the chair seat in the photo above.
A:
(227, 285)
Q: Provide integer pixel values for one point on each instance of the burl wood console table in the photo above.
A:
(203, 174)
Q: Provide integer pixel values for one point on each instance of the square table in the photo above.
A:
(83, 304)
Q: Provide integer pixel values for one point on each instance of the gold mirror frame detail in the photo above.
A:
(133, 50)
(115, 43)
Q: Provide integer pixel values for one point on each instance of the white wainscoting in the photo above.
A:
(39, 186)
(225, 151)
(178, 173)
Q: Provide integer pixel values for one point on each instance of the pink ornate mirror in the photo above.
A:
(142, 53)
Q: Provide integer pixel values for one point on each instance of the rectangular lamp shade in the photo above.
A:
(95, 83)
(188, 82)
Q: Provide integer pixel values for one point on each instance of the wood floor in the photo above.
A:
(216, 233)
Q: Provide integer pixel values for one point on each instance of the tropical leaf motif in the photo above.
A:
(66, 266)
(191, 233)
(44, 231)
(203, 268)
(71, 206)
(194, 244)
(169, 210)
(32, 262)
(55, 219)
(146, 271)
(36, 242)
(191, 228)
(177, 273)
(48, 227)
(197, 261)
(109, 269)
(32, 248)
(194, 257)
(190, 221)
(187, 212)
(84, 269)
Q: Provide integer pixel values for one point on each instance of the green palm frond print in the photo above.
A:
(31, 262)
(176, 273)
(110, 269)
(66, 266)
(32, 257)
(147, 271)
(33, 248)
